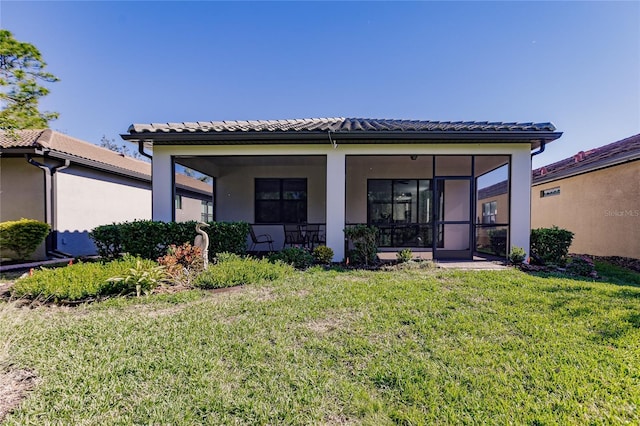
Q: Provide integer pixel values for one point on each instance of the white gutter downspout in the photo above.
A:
(49, 201)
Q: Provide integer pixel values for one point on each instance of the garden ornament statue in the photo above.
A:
(202, 241)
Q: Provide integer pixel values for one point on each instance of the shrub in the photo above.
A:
(227, 237)
(23, 236)
(107, 240)
(144, 276)
(363, 239)
(81, 281)
(232, 270)
(498, 241)
(583, 266)
(150, 239)
(517, 255)
(550, 245)
(297, 257)
(323, 255)
(183, 263)
(404, 255)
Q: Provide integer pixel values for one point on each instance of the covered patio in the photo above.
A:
(416, 181)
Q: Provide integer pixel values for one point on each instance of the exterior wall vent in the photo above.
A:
(549, 192)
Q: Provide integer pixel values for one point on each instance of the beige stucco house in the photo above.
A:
(416, 181)
(75, 186)
(596, 195)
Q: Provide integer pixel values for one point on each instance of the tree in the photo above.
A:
(111, 144)
(21, 71)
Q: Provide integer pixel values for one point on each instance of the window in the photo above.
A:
(281, 200)
(207, 211)
(489, 212)
(178, 202)
(549, 192)
(401, 210)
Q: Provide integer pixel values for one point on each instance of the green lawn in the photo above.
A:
(327, 347)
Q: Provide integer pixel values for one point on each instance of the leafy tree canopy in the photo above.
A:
(21, 72)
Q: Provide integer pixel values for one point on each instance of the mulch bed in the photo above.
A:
(623, 262)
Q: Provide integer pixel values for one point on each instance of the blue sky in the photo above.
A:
(576, 64)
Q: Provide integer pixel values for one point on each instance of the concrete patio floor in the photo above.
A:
(479, 263)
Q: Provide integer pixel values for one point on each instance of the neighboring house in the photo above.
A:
(492, 211)
(414, 180)
(596, 195)
(75, 186)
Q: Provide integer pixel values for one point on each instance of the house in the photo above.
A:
(596, 195)
(416, 181)
(75, 186)
(492, 212)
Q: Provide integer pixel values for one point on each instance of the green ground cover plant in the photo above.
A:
(232, 270)
(339, 347)
(83, 281)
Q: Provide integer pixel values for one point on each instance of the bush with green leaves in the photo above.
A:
(404, 255)
(150, 239)
(232, 270)
(143, 277)
(550, 246)
(23, 236)
(363, 238)
(498, 241)
(82, 281)
(582, 265)
(322, 255)
(299, 258)
(517, 255)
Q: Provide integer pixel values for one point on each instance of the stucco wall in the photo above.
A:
(191, 209)
(88, 198)
(21, 193)
(235, 194)
(602, 208)
(502, 206)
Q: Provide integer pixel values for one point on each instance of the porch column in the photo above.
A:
(520, 217)
(162, 187)
(336, 204)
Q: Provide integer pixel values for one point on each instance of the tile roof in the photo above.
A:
(337, 124)
(61, 143)
(493, 190)
(624, 150)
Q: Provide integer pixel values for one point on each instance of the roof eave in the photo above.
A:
(580, 171)
(535, 138)
(96, 165)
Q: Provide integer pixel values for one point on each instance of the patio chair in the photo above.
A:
(314, 235)
(293, 235)
(259, 239)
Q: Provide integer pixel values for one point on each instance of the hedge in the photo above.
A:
(150, 239)
(550, 245)
(23, 236)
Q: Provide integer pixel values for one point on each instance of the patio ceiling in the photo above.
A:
(209, 165)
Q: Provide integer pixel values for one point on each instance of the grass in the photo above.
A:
(328, 347)
(617, 274)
